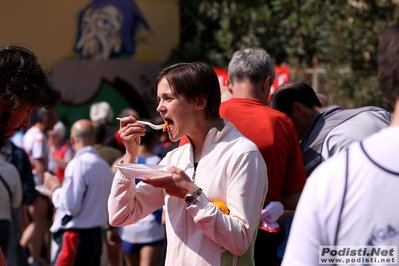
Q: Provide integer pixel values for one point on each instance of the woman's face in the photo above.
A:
(176, 110)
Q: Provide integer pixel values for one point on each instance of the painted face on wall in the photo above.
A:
(100, 32)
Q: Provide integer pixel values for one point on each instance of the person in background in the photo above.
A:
(323, 131)
(18, 157)
(218, 165)
(352, 194)
(24, 86)
(251, 74)
(80, 201)
(18, 137)
(61, 153)
(142, 242)
(10, 198)
(37, 147)
(113, 139)
(110, 155)
(61, 150)
(329, 131)
(102, 112)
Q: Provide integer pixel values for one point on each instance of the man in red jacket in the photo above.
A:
(251, 75)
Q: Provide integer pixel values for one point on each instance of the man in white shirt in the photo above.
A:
(81, 201)
(350, 199)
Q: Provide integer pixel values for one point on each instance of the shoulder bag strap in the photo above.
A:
(8, 190)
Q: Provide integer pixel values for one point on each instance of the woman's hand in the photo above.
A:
(130, 133)
(177, 185)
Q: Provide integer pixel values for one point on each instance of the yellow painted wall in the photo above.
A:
(49, 28)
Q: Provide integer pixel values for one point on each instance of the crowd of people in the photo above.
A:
(242, 174)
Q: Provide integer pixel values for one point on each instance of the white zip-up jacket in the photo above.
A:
(231, 170)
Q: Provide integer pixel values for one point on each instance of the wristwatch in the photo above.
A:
(191, 198)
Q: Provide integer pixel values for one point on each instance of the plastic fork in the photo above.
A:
(156, 127)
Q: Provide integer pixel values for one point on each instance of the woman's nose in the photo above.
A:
(160, 107)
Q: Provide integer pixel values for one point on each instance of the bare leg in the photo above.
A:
(132, 259)
(24, 219)
(149, 256)
(113, 254)
(33, 234)
(26, 235)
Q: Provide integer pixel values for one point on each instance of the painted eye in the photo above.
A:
(103, 23)
(85, 23)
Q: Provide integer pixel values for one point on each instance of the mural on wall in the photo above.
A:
(106, 71)
(121, 83)
(107, 29)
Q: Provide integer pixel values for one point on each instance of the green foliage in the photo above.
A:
(301, 33)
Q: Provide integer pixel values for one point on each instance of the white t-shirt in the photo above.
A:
(36, 146)
(367, 187)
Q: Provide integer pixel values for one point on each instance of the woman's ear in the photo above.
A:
(200, 103)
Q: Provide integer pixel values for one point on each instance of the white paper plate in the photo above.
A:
(143, 170)
(42, 189)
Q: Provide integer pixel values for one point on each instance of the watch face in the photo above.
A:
(192, 198)
(189, 198)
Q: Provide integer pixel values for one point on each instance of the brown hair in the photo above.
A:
(195, 81)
